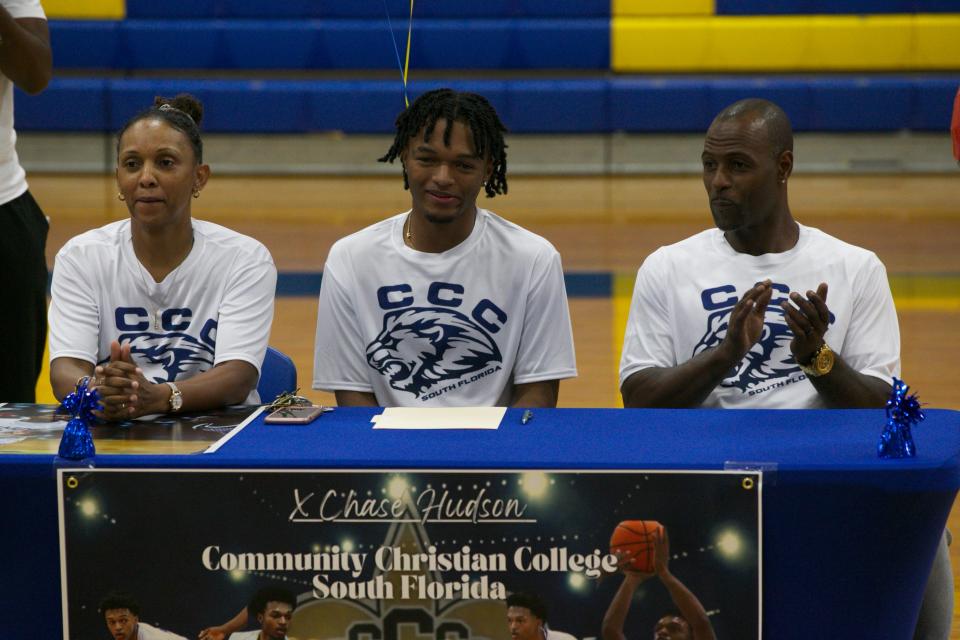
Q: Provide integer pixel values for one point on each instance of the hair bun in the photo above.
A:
(184, 102)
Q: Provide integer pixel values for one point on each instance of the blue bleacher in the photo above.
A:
(558, 53)
(136, 45)
(631, 104)
(399, 9)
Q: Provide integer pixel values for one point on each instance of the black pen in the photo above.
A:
(526, 417)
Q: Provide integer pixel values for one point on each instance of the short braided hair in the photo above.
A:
(470, 109)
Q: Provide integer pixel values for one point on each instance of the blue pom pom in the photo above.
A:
(903, 412)
(76, 442)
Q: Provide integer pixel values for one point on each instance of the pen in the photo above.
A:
(526, 417)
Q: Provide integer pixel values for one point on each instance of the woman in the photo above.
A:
(163, 312)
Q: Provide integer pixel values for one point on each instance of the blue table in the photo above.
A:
(848, 538)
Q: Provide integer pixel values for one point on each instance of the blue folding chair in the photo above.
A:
(277, 375)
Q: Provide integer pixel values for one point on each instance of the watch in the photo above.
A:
(821, 363)
(176, 398)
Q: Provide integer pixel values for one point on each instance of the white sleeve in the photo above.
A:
(872, 343)
(648, 340)
(74, 313)
(246, 311)
(339, 355)
(546, 344)
(24, 9)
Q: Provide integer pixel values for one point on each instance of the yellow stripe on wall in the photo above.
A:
(622, 295)
(937, 41)
(661, 8)
(791, 43)
(88, 9)
(43, 389)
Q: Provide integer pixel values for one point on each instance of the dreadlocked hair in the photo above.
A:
(470, 109)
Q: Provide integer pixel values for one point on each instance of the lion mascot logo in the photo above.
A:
(769, 358)
(175, 352)
(419, 348)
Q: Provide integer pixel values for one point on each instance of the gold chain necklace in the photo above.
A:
(407, 233)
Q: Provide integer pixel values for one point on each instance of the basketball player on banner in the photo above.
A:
(644, 551)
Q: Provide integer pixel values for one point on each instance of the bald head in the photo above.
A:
(765, 114)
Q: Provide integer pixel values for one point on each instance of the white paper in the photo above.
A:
(439, 418)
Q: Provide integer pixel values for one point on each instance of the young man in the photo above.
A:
(691, 624)
(739, 316)
(446, 304)
(122, 615)
(273, 609)
(527, 619)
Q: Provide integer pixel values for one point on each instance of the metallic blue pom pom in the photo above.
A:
(76, 442)
(903, 412)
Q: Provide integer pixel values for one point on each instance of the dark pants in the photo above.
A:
(23, 312)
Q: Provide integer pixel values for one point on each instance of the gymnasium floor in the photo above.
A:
(601, 225)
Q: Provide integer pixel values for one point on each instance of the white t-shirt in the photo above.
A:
(13, 181)
(216, 306)
(458, 328)
(684, 294)
(148, 632)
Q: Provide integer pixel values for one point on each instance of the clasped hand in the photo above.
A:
(124, 391)
(808, 321)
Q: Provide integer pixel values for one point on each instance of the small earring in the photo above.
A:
(120, 196)
(196, 193)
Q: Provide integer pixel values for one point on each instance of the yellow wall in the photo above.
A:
(85, 9)
(788, 43)
(662, 7)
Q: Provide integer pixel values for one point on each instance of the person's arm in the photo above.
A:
(355, 399)
(65, 373)
(73, 323)
(616, 616)
(227, 383)
(536, 395)
(25, 55)
(339, 352)
(689, 383)
(688, 604)
(546, 353)
(843, 387)
(222, 631)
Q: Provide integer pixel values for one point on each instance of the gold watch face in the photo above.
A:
(824, 361)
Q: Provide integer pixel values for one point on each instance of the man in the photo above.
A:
(739, 316)
(273, 608)
(527, 619)
(25, 61)
(446, 304)
(122, 614)
(691, 624)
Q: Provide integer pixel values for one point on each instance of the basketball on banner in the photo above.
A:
(634, 540)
